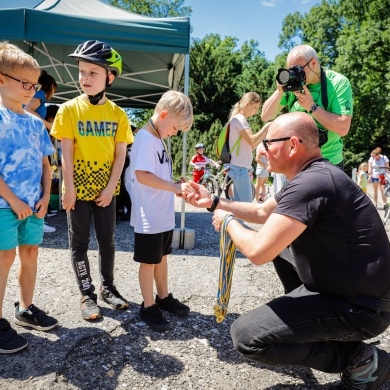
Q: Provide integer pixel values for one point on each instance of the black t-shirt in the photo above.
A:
(345, 249)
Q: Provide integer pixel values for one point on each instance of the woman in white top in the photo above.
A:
(242, 142)
(375, 163)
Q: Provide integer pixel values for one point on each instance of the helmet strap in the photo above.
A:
(95, 99)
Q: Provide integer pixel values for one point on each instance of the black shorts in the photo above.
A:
(150, 248)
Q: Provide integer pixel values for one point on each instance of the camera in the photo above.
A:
(292, 79)
(323, 136)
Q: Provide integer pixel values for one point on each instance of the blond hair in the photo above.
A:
(14, 59)
(179, 105)
(362, 165)
(248, 98)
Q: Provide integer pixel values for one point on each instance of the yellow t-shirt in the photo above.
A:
(95, 130)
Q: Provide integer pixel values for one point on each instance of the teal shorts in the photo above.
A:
(14, 232)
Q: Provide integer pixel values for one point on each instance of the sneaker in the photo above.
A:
(111, 296)
(10, 341)
(34, 318)
(89, 308)
(172, 305)
(154, 318)
(48, 229)
(373, 373)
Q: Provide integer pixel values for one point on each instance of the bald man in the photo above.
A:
(335, 268)
(326, 96)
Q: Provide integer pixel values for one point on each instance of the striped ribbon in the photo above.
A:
(227, 250)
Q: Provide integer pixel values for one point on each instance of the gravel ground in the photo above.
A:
(120, 351)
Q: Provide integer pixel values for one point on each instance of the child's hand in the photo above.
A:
(186, 188)
(21, 209)
(68, 200)
(104, 198)
(41, 208)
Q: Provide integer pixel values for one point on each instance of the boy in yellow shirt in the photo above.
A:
(94, 134)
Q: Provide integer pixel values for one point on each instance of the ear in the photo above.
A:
(163, 114)
(111, 78)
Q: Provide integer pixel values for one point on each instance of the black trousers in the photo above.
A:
(79, 228)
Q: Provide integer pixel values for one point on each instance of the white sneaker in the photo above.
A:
(48, 229)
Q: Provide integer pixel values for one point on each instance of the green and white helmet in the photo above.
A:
(99, 53)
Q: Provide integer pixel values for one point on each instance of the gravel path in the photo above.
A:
(120, 351)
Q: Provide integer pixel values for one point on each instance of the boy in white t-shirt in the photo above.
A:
(152, 188)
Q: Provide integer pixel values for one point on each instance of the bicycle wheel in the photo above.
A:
(212, 186)
(229, 191)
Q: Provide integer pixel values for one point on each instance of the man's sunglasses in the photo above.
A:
(268, 141)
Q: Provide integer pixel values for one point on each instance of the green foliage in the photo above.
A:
(155, 8)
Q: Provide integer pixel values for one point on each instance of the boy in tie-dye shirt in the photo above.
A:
(25, 179)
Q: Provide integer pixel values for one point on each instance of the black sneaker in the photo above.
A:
(111, 296)
(173, 305)
(34, 318)
(89, 308)
(154, 318)
(374, 372)
(10, 341)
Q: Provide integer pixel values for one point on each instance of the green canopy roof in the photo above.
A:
(152, 49)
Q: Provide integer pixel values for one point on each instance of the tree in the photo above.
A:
(154, 8)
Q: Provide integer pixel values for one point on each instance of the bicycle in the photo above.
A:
(386, 191)
(226, 185)
(209, 181)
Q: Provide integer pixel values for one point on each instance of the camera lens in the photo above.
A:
(283, 76)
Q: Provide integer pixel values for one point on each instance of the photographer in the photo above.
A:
(322, 93)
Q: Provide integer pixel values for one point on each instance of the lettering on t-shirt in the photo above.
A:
(97, 129)
(163, 157)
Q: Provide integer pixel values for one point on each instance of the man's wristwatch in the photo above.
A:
(313, 108)
(214, 204)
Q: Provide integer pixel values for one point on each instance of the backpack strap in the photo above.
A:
(236, 145)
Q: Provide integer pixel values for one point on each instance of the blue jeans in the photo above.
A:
(305, 328)
(79, 226)
(242, 183)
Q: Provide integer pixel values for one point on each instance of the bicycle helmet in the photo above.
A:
(198, 146)
(99, 53)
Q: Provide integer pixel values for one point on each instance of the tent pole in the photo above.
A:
(184, 166)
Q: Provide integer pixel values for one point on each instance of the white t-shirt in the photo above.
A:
(376, 164)
(152, 210)
(245, 156)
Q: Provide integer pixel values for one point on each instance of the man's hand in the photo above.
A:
(218, 216)
(305, 99)
(199, 197)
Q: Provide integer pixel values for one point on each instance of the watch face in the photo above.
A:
(314, 107)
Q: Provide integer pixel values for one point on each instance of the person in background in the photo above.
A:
(37, 107)
(199, 162)
(152, 187)
(25, 178)
(362, 176)
(242, 142)
(261, 173)
(333, 115)
(123, 203)
(92, 162)
(376, 172)
(336, 269)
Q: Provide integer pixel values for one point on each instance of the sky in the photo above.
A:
(260, 20)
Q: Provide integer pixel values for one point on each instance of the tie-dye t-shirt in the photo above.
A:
(24, 141)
